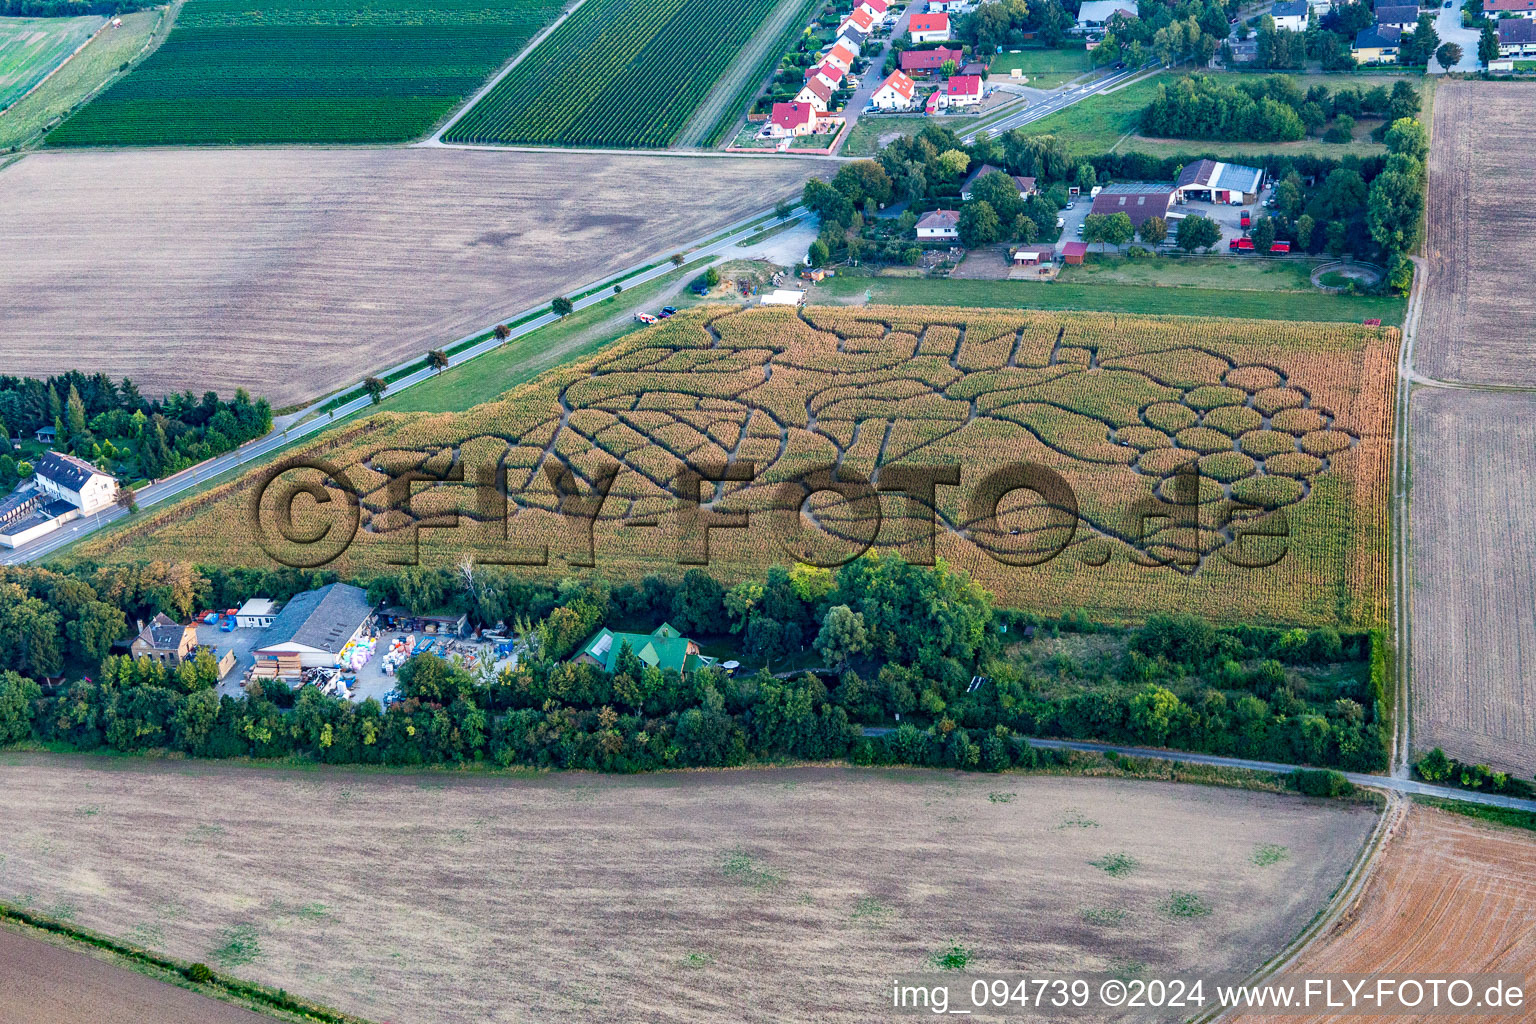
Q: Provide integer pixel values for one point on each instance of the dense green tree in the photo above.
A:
(1196, 232)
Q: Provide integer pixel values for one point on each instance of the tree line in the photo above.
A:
(68, 8)
(921, 655)
(1270, 109)
(113, 426)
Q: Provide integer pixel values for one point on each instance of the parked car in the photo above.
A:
(1119, 65)
(669, 310)
(662, 315)
(1071, 205)
(1246, 221)
(645, 318)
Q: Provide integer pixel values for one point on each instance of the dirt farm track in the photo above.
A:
(739, 896)
(291, 272)
(1479, 319)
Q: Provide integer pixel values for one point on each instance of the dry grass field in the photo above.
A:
(1474, 556)
(1479, 318)
(1289, 421)
(43, 983)
(292, 272)
(775, 895)
(1450, 895)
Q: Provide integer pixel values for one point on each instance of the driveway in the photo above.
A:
(1448, 25)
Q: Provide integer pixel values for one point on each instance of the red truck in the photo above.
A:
(1246, 220)
(1240, 245)
(1280, 247)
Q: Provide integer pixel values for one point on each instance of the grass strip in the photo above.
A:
(1507, 816)
(190, 975)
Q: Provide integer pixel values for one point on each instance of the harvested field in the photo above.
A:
(1474, 556)
(1288, 424)
(292, 272)
(1479, 319)
(774, 895)
(48, 984)
(1450, 896)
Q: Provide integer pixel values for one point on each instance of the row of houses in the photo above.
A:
(1381, 43)
(800, 116)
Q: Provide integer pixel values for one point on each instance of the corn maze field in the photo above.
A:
(307, 71)
(616, 73)
(1236, 468)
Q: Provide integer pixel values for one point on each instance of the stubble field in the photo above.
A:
(1286, 423)
(1474, 556)
(1450, 896)
(733, 896)
(1478, 324)
(294, 272)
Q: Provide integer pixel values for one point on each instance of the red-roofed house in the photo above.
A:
(1510, 8)
(829, 73)
(922, 62)
(963, 90)
(939, 226)
(895, 93)
(817, 93)
(790, 119)
(876, 7)
(840, 56)
(929, 28)
(861, 19)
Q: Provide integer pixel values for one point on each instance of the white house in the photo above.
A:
(939, 226)
(1095, 14)
(962, 91)
(861, 19)
(1517, 37)
(840, 57)
(75, 481)
(257, 613)
(929, 28)
(1403, 17)
(1291, 15)
(895, 93)
(829, 73)
(790, 119)
(1500, 9)
(313, 630)
(816, 93)
(879, 10)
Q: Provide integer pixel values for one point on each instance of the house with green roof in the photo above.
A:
(663, 648)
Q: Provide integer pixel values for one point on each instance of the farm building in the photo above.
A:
(1215, 181)
(790, 119)
(895, 93)
(816, 93)
(664, 648)
(257, 613)
(1095, 14)
(1073, 252)
(312, 630)
(962, 91)
(924, 62)
(1290, 15)
(1517, 37)
(1510, 8)
(1031, 257)
(75, 481)
(397, 617)
(1026, 184)
(1403, 18)
(939, 226)
(841, 56)
(1137, 200)
(1377, 45)
(929, 28)
(164, 639)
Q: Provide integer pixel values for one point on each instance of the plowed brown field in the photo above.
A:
(292, 272)
(738, 896)
(1479, 309)
(1450, 895)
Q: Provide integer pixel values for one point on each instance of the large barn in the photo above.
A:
(1215, 181)
(1137, 200)
(312, 630)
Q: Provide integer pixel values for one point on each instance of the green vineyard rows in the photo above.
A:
(616, 73)
(306, 71)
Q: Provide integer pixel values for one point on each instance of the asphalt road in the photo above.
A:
(1397, 785)
(281, 437)
(1060, 101)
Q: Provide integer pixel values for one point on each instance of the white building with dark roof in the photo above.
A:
(1291, 15)
(312, 630)
(1216, 181)
(75, 481)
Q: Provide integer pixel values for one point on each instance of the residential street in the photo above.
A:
(1448, 25)
(873, 77)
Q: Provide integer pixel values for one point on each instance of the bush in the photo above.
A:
(1322, 782)
(199, 973)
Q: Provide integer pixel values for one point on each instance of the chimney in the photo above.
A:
(140, 623)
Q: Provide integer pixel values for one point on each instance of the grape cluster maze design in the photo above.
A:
(1175, 457)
